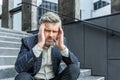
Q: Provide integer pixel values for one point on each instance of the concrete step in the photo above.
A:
(13, 31)
(10, 44)
(8, 78)
(12, 35)
(7, 71)
(7, 60)
(85, 73)
(9, 51)
(92, 78)
(7, 38)
(85, 78)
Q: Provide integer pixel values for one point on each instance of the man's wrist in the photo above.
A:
(63, 47)
(65, 52)
(37, 50)
(40, 45)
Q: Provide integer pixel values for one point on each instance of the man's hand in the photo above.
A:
(41, 36)
(60, 39)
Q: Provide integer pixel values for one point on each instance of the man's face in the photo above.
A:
(50, 32)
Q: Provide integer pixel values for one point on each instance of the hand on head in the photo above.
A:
(48, 33)
(59, 41)
(41, 36)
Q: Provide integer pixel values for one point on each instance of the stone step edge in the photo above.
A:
(10, 37)
(13, 31)
(85, 78)
(7, 71)
(7, 56)
(9, 48)
(2, 67)
(92, 78)
(12, 78)
(87, 72)
(14, 34)
(10, 42)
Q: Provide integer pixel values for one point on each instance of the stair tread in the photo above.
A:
(8, 56)
(13, 31)
(6, 66)
(1, 36)
(85, 78)
(12, 35)
(9, 42)
(80, 78)
(9, 48)
(8, 78)
(82, 70)
(91, 78)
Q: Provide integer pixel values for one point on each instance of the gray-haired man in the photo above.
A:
(40, 55)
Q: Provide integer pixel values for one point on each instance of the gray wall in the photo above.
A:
(96, 48)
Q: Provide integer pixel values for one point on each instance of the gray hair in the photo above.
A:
(50, 17)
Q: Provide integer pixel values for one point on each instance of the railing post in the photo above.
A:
(115, 6)
(29, 15)
(70, 8)
(7, 18)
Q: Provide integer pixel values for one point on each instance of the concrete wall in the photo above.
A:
(96, 47)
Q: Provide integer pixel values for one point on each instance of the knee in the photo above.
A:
(74, 71)
(74, 68)
(23, 76)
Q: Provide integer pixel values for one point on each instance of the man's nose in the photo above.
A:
(51, 34)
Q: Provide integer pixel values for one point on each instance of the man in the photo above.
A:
(40, 55)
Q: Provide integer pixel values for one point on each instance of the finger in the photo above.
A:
(61, 31)
(42, 27)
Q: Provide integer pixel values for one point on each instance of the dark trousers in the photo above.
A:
(71, 72)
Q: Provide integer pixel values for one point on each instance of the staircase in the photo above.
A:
(10, 42)
(9, 48)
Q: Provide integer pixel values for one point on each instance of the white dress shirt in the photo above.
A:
(46, 70)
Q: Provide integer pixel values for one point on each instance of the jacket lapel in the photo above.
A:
(53, 59)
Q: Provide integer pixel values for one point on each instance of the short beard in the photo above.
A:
(49, 43)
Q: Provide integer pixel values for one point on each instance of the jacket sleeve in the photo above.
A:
(72, 59)
(26, 58)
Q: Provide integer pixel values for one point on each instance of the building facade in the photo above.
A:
(46, 6)
(94, 8)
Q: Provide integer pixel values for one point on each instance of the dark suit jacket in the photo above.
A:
(27, 62)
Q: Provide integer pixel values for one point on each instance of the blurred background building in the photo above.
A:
(88, 9)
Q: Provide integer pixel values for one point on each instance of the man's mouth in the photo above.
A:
(49, 43)
(50, 40)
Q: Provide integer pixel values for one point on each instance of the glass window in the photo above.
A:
(16, 2)
(17, 24)
(48, 5)
(99, 4)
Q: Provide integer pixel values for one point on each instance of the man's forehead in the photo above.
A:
(51, 25)
(49, 28)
